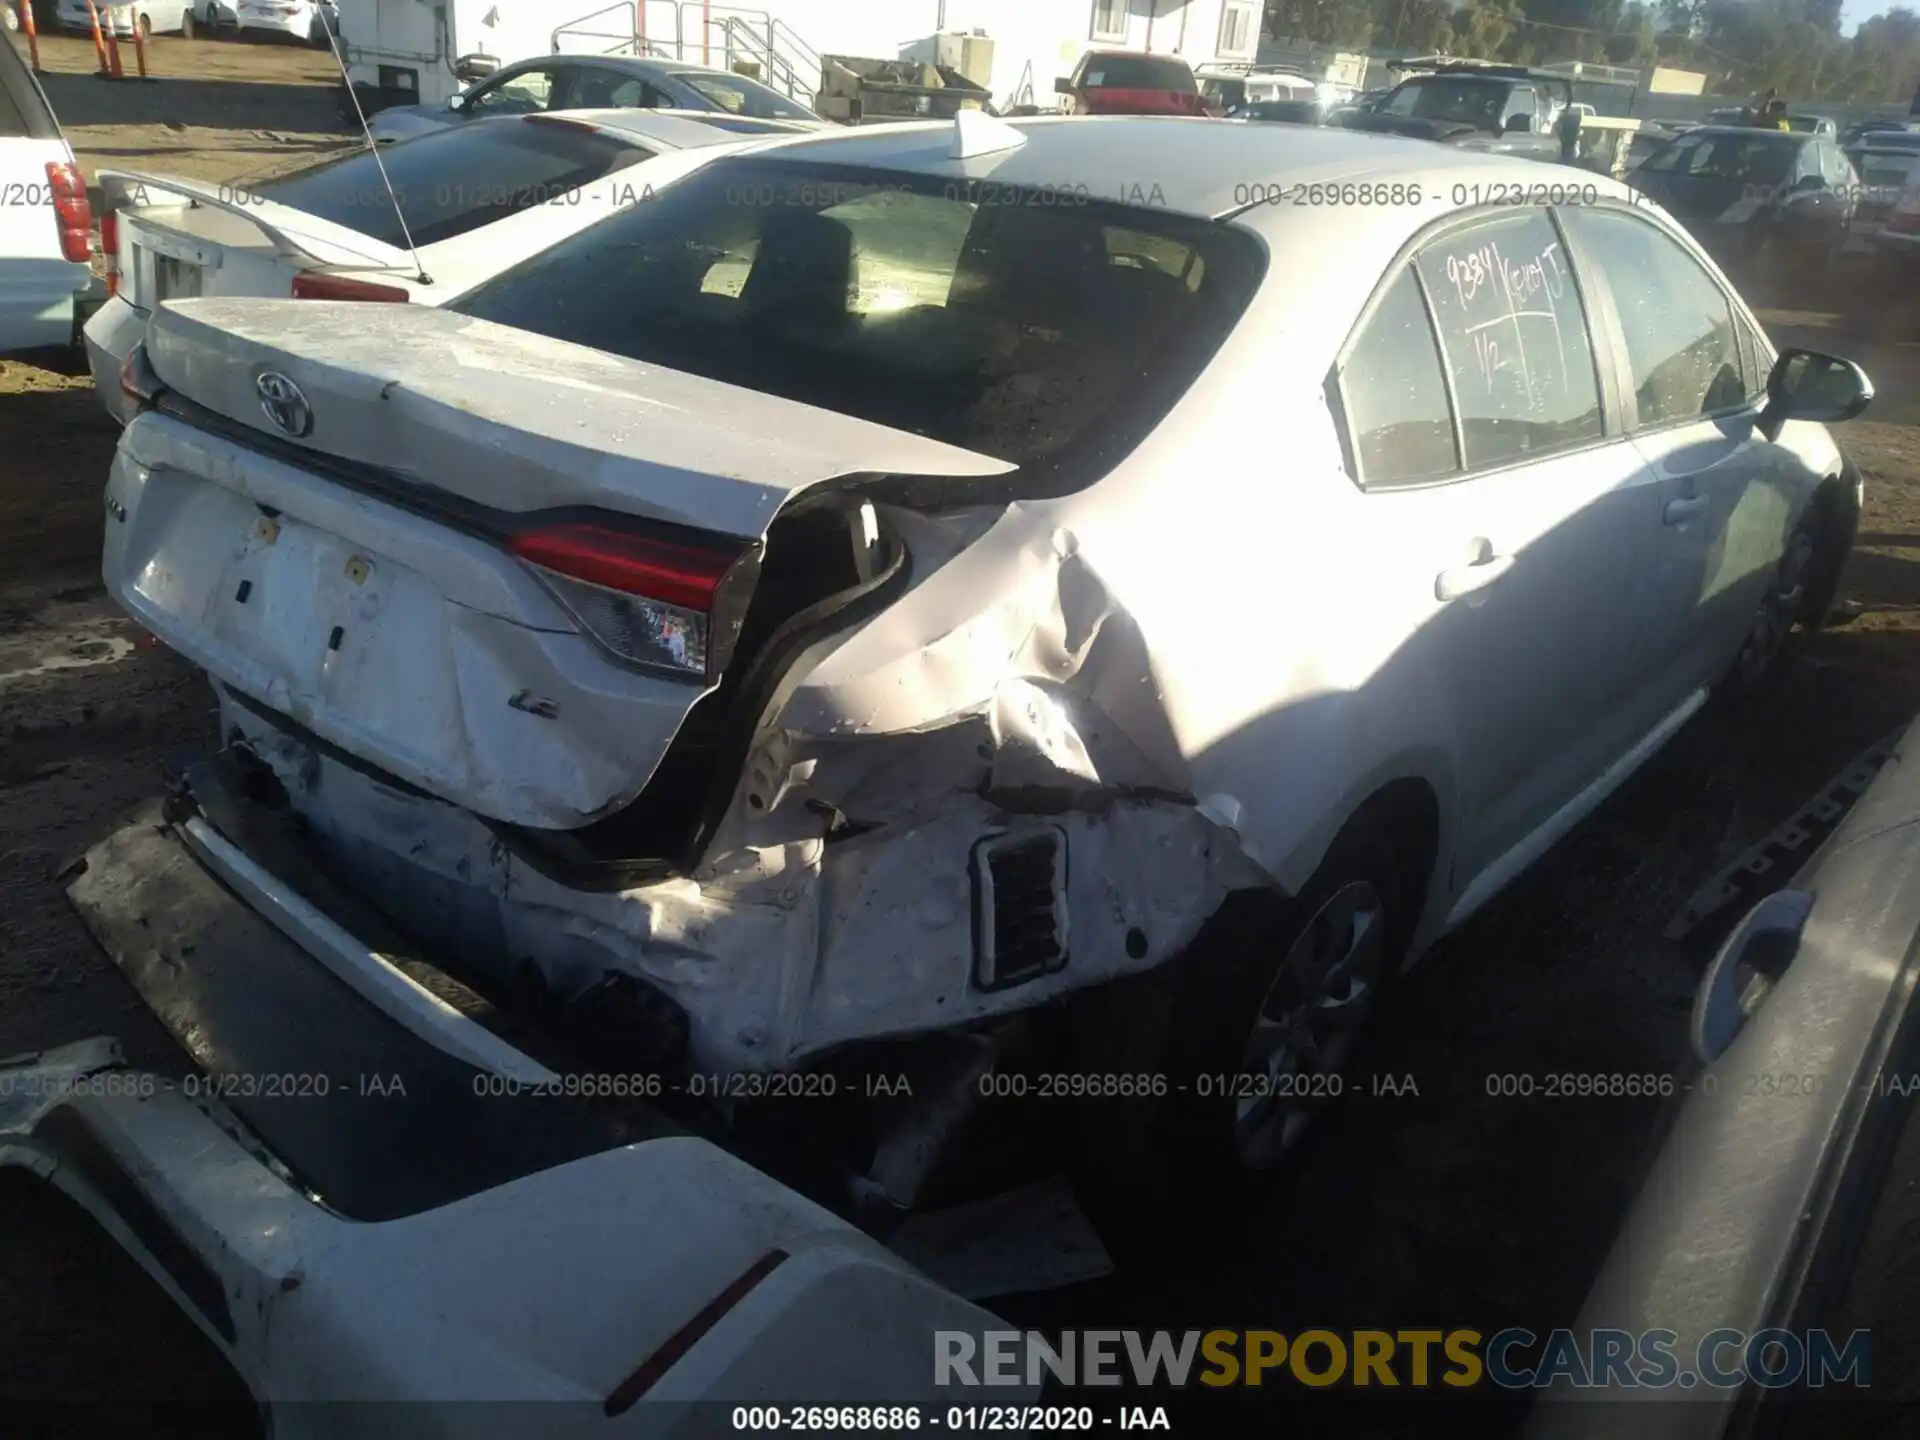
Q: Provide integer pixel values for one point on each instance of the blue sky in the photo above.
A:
(1858, 10)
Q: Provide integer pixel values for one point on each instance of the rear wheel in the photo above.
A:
(1252, 1031)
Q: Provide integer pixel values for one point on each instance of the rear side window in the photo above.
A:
(1138, 72)
(456, 180)
(1394, 395)
(1050, 337)
(1515, 338)
(1676, 320)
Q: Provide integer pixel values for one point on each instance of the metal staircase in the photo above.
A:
(727, 37)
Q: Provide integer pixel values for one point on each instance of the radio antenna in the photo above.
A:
(373, 148)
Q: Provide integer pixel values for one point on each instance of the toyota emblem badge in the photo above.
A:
(285, 404)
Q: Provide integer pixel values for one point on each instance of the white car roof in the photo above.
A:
(1193, 166)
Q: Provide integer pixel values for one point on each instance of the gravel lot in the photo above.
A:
(1447, 1207)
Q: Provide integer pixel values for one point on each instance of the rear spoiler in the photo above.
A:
(293, 232)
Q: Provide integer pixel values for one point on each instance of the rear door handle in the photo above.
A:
(1690, 508)
(1466, 579)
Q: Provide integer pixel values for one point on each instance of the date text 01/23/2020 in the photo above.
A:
(910, 1419)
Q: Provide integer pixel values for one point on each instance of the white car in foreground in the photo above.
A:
(45, 219)
(473, 202)
(821, 629)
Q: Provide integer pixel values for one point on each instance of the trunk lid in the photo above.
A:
(182, 239)
(518, 422)
(389, 619)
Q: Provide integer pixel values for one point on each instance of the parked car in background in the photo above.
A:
(597, 82)
(1813, 125)
(1770, 205)
(1130, 82)
(154, 17)
(1228, 89)
(1888, 164)
(1473, 105)
(45, 222)
(475, 200)
(1864, 128)
(313, 21)
(757, 639)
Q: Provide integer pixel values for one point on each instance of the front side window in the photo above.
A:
(1676, 320)
(1394, 395)
(1050, 337)
(528, 93)
(1514, 333)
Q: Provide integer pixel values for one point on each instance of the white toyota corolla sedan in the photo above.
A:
(1055, 608)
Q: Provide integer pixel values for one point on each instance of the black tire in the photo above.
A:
(1836, 510)
(1163, 1160)
(1785, 613)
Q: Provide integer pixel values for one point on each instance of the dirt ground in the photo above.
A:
(1445, 1206)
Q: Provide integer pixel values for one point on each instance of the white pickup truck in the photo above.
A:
(45, 220)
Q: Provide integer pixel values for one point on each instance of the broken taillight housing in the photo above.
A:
(648, 600)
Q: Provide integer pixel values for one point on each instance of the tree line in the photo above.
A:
(1793, 47)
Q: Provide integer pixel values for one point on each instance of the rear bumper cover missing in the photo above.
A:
(505, 1247)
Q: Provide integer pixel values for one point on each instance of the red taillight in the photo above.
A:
(110, 248)
(310, 286)
(71, 211)
(649, 601)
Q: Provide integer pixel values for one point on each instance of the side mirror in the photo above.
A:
(1806, 385)
(1062, 85)
(1518, 125)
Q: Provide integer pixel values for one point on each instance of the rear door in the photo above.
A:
(1518, 535)
(1725, 494)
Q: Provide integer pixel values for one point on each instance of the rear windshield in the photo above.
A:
(1053, 337)
(1138, 72)
(738, 95)
(455, 180)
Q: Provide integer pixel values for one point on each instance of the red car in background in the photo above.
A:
(1130, 82)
